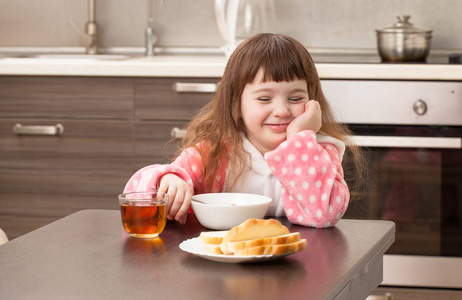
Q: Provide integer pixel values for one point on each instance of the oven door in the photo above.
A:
(415, 180)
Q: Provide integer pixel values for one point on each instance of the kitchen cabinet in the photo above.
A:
(411, 293)
(163, 104)
(111, 127)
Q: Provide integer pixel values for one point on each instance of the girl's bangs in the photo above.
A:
(285, 70)
(280, 61)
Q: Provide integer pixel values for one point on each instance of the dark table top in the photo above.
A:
(88, 255)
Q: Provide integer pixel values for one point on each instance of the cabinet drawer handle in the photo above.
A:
(57, 129)
(186, 87)
(177, 133)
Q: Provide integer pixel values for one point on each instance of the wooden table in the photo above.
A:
(88, 255)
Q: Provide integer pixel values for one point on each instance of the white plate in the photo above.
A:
(196, 247)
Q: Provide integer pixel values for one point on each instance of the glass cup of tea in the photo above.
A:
(144, 214)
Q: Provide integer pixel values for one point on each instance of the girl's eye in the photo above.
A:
(264, 99)
(295, 99)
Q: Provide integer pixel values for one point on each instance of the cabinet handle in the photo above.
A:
(177, 133)
(57, 129)
(187, 87)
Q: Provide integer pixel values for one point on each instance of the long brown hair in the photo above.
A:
(216, 130)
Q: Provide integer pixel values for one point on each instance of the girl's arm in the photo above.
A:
(191, 161)
(187, 166)
(166, 179)
(148, 178)
(180, 188)
(314, 192)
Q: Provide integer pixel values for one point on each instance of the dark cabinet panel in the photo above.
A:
(158, 99)
(154, 143)
(66, 97)
(44, 178)
(111, 127)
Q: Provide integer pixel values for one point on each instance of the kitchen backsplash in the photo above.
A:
(316, 23)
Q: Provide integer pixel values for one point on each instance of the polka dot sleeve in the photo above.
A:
(187, 166)
(147, 178)
(314, 192)
(191, 161)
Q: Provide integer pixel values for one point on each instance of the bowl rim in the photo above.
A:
(265, 198)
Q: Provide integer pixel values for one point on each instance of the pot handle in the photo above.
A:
(404, 19)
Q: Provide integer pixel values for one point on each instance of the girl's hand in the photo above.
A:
(179, 196)
(311, 119)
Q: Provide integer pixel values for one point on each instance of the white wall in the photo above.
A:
(316, 23)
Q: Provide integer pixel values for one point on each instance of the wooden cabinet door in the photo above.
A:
(112, 127)
(154, 143)
(44, 178)
(162, 104)
(66, 97)
(160, 99)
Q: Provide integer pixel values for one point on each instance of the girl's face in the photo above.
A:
(267, 108)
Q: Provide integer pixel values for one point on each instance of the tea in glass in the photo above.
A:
(144, 214)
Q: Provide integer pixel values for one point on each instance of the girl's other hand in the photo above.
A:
(311, 119)
(179, 194)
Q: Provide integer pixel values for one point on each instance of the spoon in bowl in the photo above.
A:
(196, 200)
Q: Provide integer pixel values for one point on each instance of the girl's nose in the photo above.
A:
(281, 109)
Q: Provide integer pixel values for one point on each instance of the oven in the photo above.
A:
(411, 132)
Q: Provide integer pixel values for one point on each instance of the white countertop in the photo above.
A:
(210, 66)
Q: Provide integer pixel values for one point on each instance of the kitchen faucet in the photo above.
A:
(89, 38)
(91, 29)
(150, 35)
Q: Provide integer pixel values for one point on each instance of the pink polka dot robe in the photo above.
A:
(307, 166)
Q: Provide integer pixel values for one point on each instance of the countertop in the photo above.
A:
(329, 66)
(88, 255)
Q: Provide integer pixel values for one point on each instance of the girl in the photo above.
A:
(268, 130)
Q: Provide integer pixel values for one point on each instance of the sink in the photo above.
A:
(70, 54)
(80, 56)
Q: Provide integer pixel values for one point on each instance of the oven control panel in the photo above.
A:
(395, 102)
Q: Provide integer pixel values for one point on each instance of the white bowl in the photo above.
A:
(223, 211)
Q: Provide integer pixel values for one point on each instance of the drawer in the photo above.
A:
(172, 98)
(66, 97)
(44, 178)
(409, 293)
(154, 143)
(84, 145)
(30, 200)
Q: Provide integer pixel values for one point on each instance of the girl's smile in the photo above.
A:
(267, 109)
(277, 127)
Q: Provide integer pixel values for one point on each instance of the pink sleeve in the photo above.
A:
(147, 178)
(314, 192)
(191, 162)
(187, 166)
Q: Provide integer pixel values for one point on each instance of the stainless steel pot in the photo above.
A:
(403, 42)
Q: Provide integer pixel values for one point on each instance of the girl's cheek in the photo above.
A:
(300, 110)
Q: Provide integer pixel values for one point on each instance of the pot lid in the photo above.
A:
(404, 26)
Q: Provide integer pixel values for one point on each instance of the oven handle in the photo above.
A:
(408, 142)
(384, 141)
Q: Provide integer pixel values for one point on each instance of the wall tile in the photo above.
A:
(316, 23)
